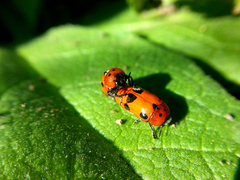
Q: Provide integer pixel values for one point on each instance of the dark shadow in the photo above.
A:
(21, 22)
(237, 175)
(103, 11)
(155, 84)
(212, 8)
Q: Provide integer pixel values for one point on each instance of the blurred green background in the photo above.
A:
(215, 22)
(21, 20)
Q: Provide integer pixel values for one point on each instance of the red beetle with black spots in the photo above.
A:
(145, 105)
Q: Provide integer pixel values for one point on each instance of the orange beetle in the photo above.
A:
(114, 79)
(146, 106)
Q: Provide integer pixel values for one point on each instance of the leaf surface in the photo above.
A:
(65, 127)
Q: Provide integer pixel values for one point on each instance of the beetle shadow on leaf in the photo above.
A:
(155, 84)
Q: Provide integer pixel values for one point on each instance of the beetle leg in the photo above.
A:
(137, 121)
(130, 80)
(153, 131)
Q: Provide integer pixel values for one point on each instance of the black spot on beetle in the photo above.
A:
(131, 97)
(126, 106)
(164, 109)
(160, 115)
(101, 84)
(143, 115)
(109, 74)
(113, 70)
(155, 107)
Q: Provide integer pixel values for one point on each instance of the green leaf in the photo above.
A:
(65, 127)
(212, 42)
(43, 137)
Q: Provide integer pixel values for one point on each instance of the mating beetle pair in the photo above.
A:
(143, 104)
